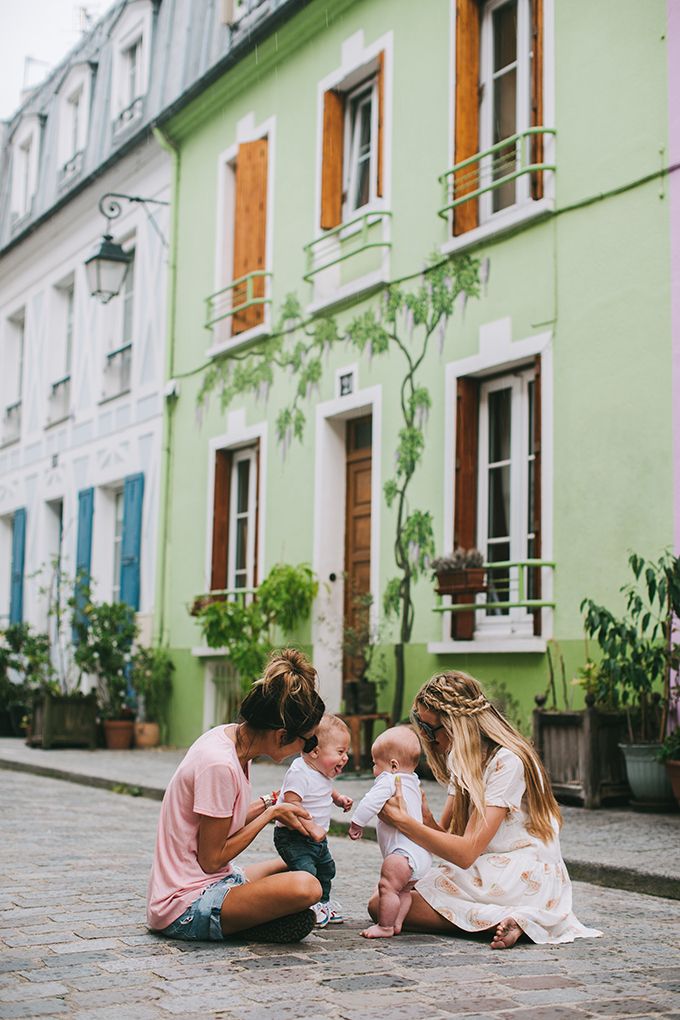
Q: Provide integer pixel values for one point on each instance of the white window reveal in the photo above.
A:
(132, 53)
(506, 496)
(11, 378)
(505, 99)
(25, 152)
(117, 544)
(118, 366)
(242, 519)
(61, 354)
(361, 131)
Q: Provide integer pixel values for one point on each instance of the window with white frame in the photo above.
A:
(25, 168)
(131, 63)
(242, 511)
(117, 543)
(118, 366)
(506, 494)
(11, 379)
(505, 90)
(61, 353)
(361, 130)
(73, 120)
(133, 71)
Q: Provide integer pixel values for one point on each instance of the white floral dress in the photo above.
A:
(517, 876)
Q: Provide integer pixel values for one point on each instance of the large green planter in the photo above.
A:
(61, 721)
(647, 777)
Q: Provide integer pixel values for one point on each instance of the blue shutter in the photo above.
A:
(83, 544)
(133, 497)
(16, 601)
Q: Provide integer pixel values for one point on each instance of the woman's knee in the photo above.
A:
(305, 888)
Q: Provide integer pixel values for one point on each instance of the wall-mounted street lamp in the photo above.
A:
(107, 267)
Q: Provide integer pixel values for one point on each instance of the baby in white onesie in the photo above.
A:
(395, 753)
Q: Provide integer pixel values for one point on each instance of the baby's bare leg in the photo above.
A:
(395, 875)
(404, 906)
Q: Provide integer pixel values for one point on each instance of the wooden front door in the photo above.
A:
(357, 533)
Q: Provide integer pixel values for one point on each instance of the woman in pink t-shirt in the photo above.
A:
(207, 819)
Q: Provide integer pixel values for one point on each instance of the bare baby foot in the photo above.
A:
(378, 931)
(507, 933)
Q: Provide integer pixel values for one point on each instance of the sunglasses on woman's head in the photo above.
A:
(429, 731)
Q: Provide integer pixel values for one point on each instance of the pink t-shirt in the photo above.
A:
(209, 781)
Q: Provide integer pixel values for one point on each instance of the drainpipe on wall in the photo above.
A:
(170, 390)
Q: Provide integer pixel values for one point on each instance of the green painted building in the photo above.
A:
(317, 161)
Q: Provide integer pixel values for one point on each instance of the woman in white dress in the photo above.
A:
(499, 832)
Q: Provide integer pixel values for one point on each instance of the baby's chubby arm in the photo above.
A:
(373, 802)
(342, 801)
(313, 830)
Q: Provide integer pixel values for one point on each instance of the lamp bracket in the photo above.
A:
(110, 207)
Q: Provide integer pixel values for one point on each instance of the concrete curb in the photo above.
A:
(609, 875)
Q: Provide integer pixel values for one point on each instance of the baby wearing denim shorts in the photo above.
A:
(395, 753)
(309, 781)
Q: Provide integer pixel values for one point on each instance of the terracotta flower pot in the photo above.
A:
(118, 734)
(673, 770)
(147, 734)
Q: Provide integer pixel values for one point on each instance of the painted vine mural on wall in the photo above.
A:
(404, 325)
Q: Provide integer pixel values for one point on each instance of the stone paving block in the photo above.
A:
(30, 990)
(100, 998)
(12, 963)
(49, 938)
(553, 995)
(40, 1007)
(368, 982)
(546, 1013)
(83, 946)
(544, 981)
(622, 1007)
(275, 962)
(459, 1005)
(117, 1012)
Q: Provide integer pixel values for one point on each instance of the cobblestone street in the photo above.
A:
(74, 864)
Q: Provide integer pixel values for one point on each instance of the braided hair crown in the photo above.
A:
(454, 694)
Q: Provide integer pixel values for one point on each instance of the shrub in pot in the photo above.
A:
(151, 680)
(460, 574)
(638, 655)
(104, 633)
(669, 756)
(364, 665)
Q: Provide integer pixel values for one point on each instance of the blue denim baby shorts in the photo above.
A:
(201, 921)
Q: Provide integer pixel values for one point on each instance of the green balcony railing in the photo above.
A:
(495, 167)
(344, 242)
(238, 296)
(243, 595)
(513, 587)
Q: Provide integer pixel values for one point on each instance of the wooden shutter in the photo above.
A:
(536, 522)
(16, 601)
(467, 443)
(83, 548)
(250, 229)
(131, 540)
(257, 515)
(220, 533)
(537, 94)
(331, 159)
(466, 141)
(380, 88)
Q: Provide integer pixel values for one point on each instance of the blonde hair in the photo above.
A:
(471, 723)
(330, 723)
(399, 742)
(286, 696)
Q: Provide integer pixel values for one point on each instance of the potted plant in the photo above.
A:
(669, 755)
(460, 574)
(13, 691)
(580, 746)
(245, 628)
(151, 680)
(104, 634)
(638, 656)
(364, 664)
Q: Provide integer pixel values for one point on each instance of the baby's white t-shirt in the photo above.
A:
(389, 838)
(315, 790)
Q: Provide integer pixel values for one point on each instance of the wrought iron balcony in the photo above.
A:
(501, 171)
(117, 370)
(347, 241)
(249, 291)
(59, 400)
(11, 423)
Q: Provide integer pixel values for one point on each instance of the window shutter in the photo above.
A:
(380, 87)
(537, 94)
(331, 159)
(466, 141)
(467, 436)
(536, 523)
(83, 547)
(250, 230)
(257, 514)
(131, 541)
(16, 602)
(220, 534)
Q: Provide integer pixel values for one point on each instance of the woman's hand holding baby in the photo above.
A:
(291, 815)
(394, 811)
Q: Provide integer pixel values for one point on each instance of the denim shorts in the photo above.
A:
(201, 921)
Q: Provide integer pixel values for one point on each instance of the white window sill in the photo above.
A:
(108, 397)
(349, 292)
(486, 646)
(500, 224)
(51, 422)
(203, 652)
(262, 329)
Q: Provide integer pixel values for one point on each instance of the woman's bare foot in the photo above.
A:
(507, 933)
(378, 931)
